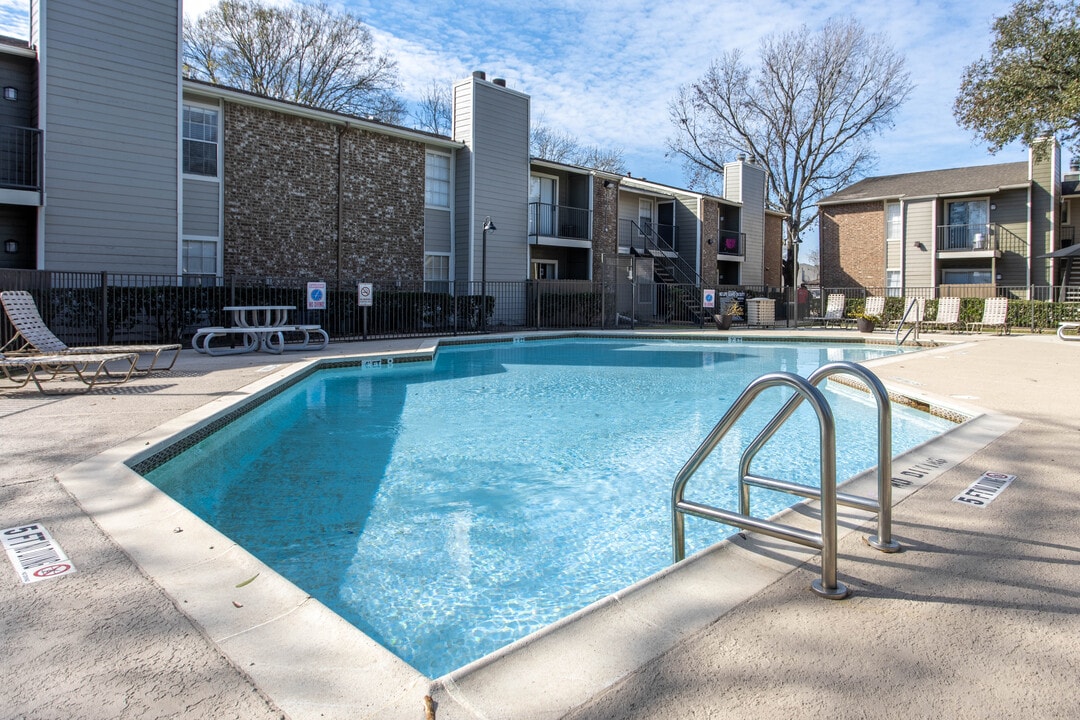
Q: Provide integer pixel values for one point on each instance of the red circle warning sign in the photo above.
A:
(50, 570)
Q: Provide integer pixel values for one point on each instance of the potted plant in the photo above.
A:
(732, 309)
(866, 323)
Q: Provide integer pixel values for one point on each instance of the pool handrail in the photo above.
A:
(825, 541)
(883, 541)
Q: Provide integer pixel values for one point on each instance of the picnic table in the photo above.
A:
(259, 327)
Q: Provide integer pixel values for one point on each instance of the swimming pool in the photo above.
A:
(546, 488)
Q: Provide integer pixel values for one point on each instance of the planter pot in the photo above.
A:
(723, 322)
(864, 325)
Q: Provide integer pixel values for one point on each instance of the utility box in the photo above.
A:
(760, 311)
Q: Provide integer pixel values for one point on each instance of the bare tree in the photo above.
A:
(306, 53)
(807, 112)
(549, 144)
(435, 110)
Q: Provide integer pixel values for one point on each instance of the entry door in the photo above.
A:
(542, 194)
(665, 225)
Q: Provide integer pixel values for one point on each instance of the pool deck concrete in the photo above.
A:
(978, 617)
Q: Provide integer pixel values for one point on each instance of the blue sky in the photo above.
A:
(605, 71)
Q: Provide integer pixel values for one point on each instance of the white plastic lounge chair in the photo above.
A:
(834, 311)
(90, 369)
(948, 315)
(911, 315)
(33, 335)
(875, 305)
(995, 315)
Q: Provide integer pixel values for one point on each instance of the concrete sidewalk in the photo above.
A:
(977, 618)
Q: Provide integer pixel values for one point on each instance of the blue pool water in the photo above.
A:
(447, 509)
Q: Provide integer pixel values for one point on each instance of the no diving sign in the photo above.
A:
(985, 490)
(34, 553)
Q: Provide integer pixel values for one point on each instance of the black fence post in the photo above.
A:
(103, 324)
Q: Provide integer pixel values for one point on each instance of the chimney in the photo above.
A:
(501, 82)
(479, 75)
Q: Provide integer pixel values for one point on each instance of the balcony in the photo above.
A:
(977, 240)
(559, 225)
(20, 165)
(730, 245)
(647, 238)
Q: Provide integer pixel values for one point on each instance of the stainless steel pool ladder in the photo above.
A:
(912, 308)
(805, 389)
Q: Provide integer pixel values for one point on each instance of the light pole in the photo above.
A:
(488, 227)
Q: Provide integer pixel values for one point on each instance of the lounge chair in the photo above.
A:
(914, 312)
(995, 315)
(33, 335)
(89, 369)
(875, 305)
(948, 315)
(835, 305)
(1068, 326)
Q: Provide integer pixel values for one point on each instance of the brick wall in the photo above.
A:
(710, 230)
(852, 239)
(774, 244)
(282, 199)
(605, 239)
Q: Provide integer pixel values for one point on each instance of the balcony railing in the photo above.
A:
(559, 221)
(1068, 235)
(975, 237)
(647, 237)
(731, 243)
(20, 158)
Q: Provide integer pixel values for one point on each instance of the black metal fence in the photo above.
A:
(105, 308)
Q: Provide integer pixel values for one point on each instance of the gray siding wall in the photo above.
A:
(1045, 188)
(918, 219)
(1011, 214)
(111, 99)
(18, 72)
(687, 213)
(463, 186)
(748, 181)
(437, 230)
(498, 137)
(202, 208)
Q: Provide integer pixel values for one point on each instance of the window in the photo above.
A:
(893, 225)
(436, 272)
(966, 277)
(200, 134)
(200, 257)
(437, 181)
(545, 270)
(893, 287)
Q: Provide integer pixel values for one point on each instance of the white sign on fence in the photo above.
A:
(708, 298)
(316, 296)
(364, 294)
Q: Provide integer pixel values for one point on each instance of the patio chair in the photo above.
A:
(948, 315)
(89, 369)
(995, 315)
(875, 305)
(32, 335)
(834, 311)
(914, 312)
